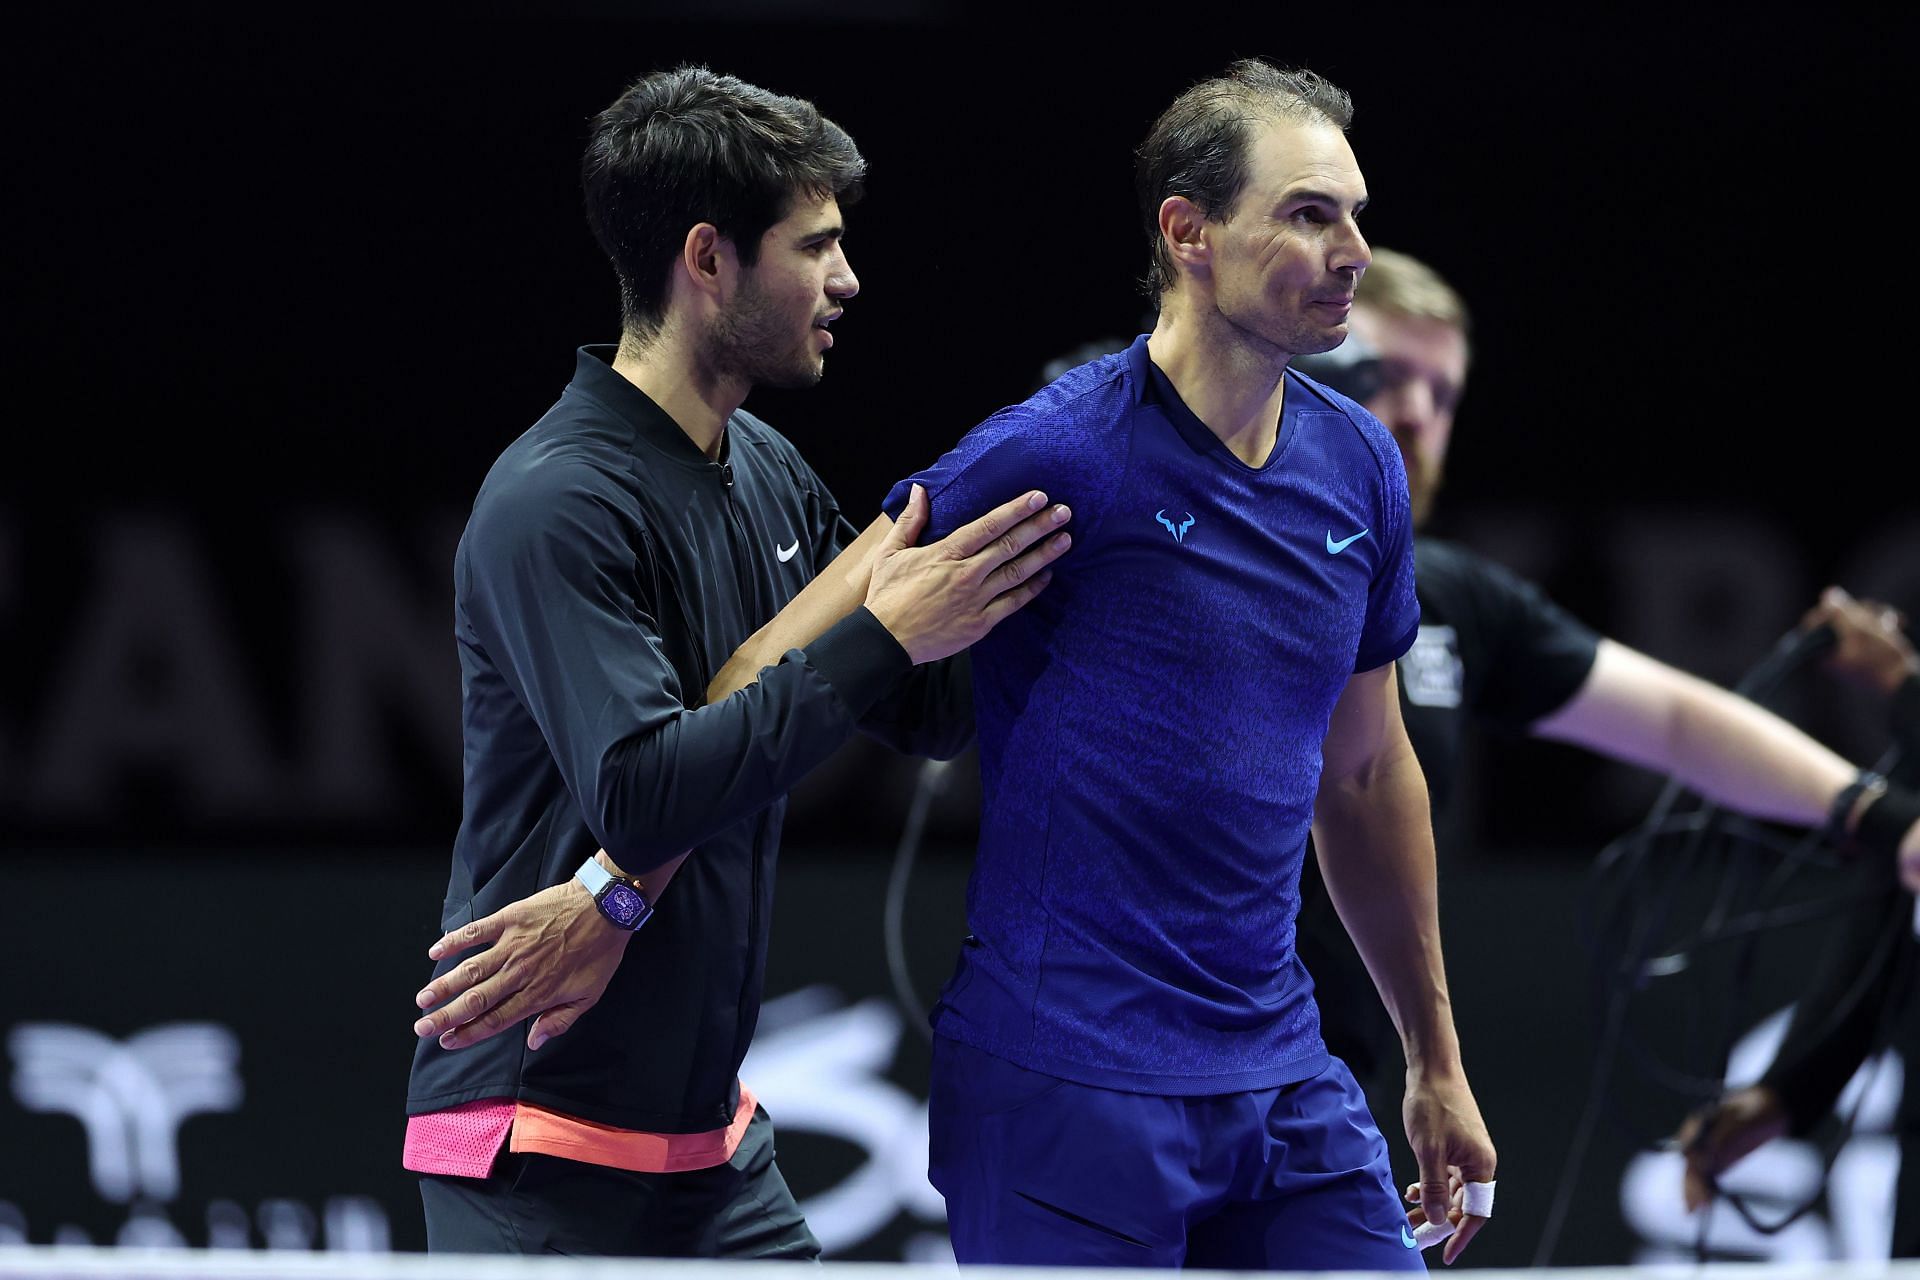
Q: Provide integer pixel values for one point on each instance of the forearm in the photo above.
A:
(929, 713)
(1375, 841)
(656, 793)
(834, 593)
(1748, 759)
(1729, 749)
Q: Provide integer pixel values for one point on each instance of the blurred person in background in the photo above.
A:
(1493, 652)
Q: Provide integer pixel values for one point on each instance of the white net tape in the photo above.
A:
(73, 1263)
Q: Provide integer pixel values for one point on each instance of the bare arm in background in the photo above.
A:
(1731, 750)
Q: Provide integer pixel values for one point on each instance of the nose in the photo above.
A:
(1407, 410)
(841, 282)
(1350, 251)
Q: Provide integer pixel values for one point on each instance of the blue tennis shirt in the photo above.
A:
(1150, 727)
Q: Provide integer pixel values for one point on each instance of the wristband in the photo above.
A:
(1835, 832)
(1903, 712)
(1887, 820)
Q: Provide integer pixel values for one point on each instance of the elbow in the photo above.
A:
(632, 814)
(1356, 774)
(1365, 787)
(636, 847)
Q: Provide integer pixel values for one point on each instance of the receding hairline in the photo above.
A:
(1265, 89)
(1200, 146)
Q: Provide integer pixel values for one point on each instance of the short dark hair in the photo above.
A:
(687, 146)
(1198, 146)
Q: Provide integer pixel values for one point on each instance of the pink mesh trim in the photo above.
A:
(463, 1141)
(571, 1138)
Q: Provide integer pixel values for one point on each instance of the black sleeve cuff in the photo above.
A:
(861, 660)
(1807, 1092)
(1904, 713)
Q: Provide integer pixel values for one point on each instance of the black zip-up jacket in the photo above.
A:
(608, 570)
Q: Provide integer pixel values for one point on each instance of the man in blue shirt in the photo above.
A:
(1128, 1067)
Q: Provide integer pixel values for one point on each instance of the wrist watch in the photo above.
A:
(619, 899)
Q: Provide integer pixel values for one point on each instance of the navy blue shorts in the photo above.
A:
(1045, 1172)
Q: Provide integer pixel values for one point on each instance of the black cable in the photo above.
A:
(1896, 999)
(932, 780)
(1891, 1008)
(1633, 909)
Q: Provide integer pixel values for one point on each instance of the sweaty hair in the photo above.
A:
(1402, 285)
(687, 146)
(1198, 146)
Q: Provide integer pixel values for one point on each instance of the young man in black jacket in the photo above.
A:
(618, 553)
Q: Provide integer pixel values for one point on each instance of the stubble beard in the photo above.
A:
(752, 342)
(1284, 339)
(1423, 484)
(1305, 339)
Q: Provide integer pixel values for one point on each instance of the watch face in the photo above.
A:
(622, 904)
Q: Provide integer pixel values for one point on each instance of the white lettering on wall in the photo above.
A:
(374, 645)
(293, 704)
(153, 679)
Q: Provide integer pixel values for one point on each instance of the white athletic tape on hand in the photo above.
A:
(1479, 1199)
(1478, 1202)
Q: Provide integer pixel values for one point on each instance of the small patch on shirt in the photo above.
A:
(1432, 669)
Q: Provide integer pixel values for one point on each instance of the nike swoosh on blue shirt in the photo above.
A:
(1406, 1238)
(1335, 548)
(786, 553)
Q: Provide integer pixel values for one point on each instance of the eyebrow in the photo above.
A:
(1311, 195)
(832, 231)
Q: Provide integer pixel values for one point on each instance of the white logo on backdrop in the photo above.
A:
(820, 1068)
(131, 1096)
(1781, 1176)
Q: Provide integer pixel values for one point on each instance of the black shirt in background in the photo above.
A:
(1492, 651)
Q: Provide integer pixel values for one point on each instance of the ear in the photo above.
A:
(707, 261)
(1183, 232)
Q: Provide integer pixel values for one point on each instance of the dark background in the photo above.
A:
(279, 288)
